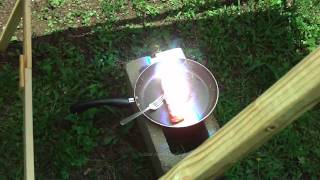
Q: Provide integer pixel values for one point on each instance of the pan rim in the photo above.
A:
(173, 126)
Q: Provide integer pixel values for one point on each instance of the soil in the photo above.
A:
(98, 160)
(38, 27)
(5, 9)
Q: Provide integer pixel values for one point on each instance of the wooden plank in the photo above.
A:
(280, 105)
(11, 25)
(28, 127)
(28, 118)
(27, 33)
(21, 72)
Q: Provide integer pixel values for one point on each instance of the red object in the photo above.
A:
(174, 118)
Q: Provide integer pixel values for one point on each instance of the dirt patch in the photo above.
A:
(6, 6)
(38, 26)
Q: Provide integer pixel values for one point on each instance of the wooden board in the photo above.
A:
(21, 72)
(11, 25)
(28, 127)
(28, 113)
(27, 33)
(280, 105)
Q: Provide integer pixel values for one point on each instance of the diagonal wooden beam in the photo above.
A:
(23, 8)
(291, 96)
(11, 25)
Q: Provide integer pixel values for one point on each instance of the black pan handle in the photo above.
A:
(85, 105)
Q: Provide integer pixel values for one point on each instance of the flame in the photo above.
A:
(174, 83)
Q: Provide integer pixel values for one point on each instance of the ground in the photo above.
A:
(79, 51)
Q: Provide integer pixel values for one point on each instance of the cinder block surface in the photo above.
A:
(158, 148)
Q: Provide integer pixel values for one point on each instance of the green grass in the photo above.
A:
(56, 3)
(248, 46)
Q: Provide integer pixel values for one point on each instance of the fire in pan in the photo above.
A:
(188, 89)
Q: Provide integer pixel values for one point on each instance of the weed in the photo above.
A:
(56, 3)
(248, 45)
(111, 8)
(144, 8)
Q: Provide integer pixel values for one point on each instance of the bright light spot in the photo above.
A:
(174, 83)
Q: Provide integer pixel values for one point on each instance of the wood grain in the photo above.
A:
(28, 112)
(28, 127)
(11, 26)
(27, 33)
(21, 71)
(280, 105)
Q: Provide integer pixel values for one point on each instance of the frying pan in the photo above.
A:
(203, 97)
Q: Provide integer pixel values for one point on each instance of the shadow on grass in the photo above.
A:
(247, 52)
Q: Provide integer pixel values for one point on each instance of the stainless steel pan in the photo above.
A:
(203, 99)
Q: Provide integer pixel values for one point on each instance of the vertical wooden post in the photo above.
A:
(27, 33)
(280, 105)
(23, 8)
(21, 72)
(28, 127)
(28, 113)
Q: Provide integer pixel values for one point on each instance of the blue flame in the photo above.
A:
(148, 60)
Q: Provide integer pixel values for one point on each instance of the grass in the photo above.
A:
(56, 3)
(80, 54)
